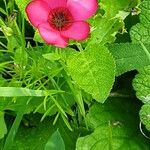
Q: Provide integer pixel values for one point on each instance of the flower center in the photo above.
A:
(60, 18)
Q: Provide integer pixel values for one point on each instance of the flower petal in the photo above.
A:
(77, 31)
(82, 9)
(37, 12)
(51, 36)
(56, 3)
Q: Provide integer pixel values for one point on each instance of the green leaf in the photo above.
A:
(37, 37)
(22, 5)
(93, 70)
(55, 142)
(13, 35)
(141, 84)
(144, 115)
(129, 56)
(141, 31)
(3, 128)
(20, 58)
(41, 66)
(116, 126)
(116, 6)
(14, 128)
(17, 92)
(105, 29)
(34, 131)
(106, 25)
(3, 11)
(51, 56)
(2, 23)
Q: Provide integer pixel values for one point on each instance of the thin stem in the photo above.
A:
(5, 3)
(3, 45)
(120, 95)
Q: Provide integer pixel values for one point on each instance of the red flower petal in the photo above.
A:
(56, 3)
(77, 31)
(37, 12)
(51, 36)
(82, 9)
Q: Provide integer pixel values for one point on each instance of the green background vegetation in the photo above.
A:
(92, 95)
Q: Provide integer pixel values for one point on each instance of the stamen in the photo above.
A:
(60, 18)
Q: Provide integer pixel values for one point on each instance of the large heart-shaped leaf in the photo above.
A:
(129, 56)
(115, 126)
(93, 70)
(141, 31)
(144, 115)
(142, 84)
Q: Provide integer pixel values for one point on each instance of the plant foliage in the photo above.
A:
(88, 95)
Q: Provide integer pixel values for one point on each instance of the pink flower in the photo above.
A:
(61, 20)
